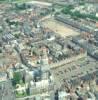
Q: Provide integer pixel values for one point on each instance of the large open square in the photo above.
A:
(60, 28)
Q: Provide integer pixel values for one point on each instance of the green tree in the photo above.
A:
(0, 51)
(17, 36)
(17, 78)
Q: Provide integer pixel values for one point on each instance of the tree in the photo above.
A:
(17, 36)
(17, 78)
(0, 51)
